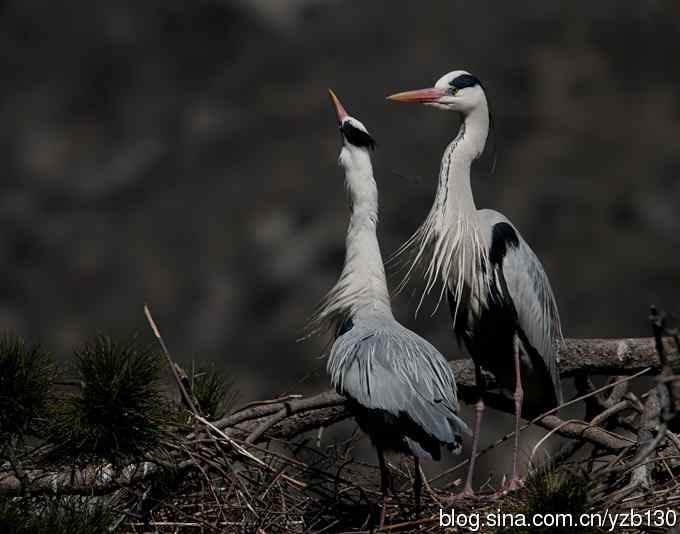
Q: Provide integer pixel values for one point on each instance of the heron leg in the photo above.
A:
(417, 483)
(476, 428)
(384, 485)
(519, 398)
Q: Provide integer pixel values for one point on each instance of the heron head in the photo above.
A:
(457, 90)
(355, 136)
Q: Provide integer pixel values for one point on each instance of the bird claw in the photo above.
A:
(513, 484)
(466, 493)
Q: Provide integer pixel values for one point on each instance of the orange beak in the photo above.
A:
(338, 106)
(431, 94)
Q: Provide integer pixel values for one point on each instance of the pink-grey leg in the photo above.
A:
(468, 491)
(477, 426)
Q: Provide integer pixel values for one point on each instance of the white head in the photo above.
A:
(457, 90)
(356, 141)
(450, 244)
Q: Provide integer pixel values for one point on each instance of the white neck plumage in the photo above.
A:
(364, 270)
(362, 286)
(449, 245)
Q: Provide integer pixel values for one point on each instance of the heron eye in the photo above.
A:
(453, 91)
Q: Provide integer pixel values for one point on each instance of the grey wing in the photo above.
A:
(534, 301)
(393, 369)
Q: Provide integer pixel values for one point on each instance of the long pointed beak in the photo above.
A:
(338, 106)
(431, 94)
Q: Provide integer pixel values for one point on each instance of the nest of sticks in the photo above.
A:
(268, 468)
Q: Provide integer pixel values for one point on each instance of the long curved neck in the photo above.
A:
(455, 191)
(465, 257)
(363, 274)
(362, 287)
(449, 244)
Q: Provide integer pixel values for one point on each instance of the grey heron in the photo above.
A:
(501, 301)
(398, 386)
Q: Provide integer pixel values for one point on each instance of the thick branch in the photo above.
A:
(625, 356)
(86, 481)
(313, 418)
(581, 430)
(597, 356)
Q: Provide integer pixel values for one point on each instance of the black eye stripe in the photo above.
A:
(464, 80)
(356, 137)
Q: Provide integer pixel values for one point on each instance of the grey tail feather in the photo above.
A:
(420, 452)
(453, 443)
(431, 450)
(456, 447)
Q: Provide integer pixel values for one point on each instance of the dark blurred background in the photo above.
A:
(184, 154)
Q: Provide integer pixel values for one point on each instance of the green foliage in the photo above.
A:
(118, 414)
(551, 490)
(55, 516)
(213, 391)
(25, 379)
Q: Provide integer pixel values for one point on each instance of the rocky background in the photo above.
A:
(184, 154)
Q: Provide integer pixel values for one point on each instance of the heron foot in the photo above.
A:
(513, 484)
(466, 493)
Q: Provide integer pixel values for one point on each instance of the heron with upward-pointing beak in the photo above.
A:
(501, 302)
(399, 387)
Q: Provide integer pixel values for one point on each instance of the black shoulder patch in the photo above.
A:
(345, 327)
(356, 137)
(503, 236)
(465, 80)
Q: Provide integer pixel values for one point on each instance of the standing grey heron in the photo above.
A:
(501, 302)
(400, 388)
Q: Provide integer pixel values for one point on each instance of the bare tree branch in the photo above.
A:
(597, 356)
(186, 397)
(291, 417)
(90, 480)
